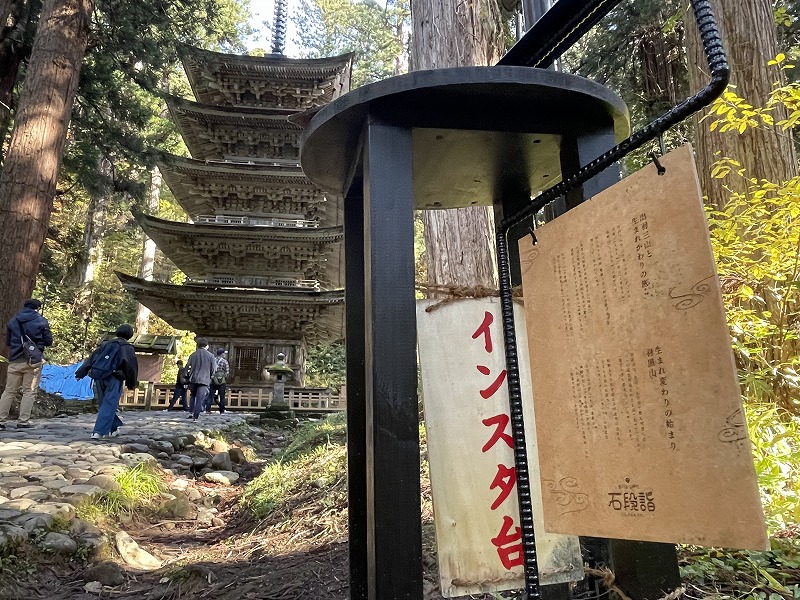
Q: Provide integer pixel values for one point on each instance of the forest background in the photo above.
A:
(645, 50)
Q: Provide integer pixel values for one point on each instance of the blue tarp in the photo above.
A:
(61, 380)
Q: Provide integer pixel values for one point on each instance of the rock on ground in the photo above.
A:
(133, 555)
(60, 543)
(107, 573)
(222, 477)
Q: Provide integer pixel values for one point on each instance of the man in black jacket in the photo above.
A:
(181, 387)
(108, 388)
(21, 372)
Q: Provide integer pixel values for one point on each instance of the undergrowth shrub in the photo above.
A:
(776, 449)
(139, 486)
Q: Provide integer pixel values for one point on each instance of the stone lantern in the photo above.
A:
(280, 373)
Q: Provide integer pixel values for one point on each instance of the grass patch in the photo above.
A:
(310, 475)
(332, 430)
(139, 485)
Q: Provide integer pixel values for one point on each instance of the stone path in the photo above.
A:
(48, 470)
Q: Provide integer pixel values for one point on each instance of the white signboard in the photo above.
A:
(473, 478)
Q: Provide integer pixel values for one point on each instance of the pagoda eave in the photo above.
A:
(155, 228)
(222, 311)
(207, 188)
(217, 78)
(236, 133)
(203, 250)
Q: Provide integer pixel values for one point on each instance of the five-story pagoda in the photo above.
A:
(263, 253)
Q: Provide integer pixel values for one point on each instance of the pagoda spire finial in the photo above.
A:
(279, 27)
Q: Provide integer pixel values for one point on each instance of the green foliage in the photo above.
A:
(745, 575)
(326, 366)
(756, 241)
(316, 458)
(376, 33)
(776, 450)
(638, 50)
(118, 128)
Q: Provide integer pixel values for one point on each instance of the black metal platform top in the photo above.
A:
(477, 131)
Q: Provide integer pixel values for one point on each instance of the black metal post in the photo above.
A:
(356, 390)
(393, 516)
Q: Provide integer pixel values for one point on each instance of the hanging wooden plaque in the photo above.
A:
(638, 410)
(476, 513)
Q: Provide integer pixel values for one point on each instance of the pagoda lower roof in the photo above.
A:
(203, 249)
(219, 311)
(265, 81)
(236, 133)
(209, 188)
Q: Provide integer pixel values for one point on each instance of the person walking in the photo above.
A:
(201, 365)
(111, 364)
(219, 382)
(181, 387)
(27, 335)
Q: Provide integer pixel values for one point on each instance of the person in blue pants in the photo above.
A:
(111, 364)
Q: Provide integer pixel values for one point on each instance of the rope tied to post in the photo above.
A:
(609, 581)
(454, 293)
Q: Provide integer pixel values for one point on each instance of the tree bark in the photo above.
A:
(748, 33)
(459, 243)
(14, 16)
(30, 172)
(148, 250)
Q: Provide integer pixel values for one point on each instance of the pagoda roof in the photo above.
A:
(267, 81)
(203, 249)
(205, 187)
(219, 311)
(235, 133)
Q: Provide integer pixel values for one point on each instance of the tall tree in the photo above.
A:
(374, 32)
(750, 39)
(459, 243)
(148, 250)
(30, 172)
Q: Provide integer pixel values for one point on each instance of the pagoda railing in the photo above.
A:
(252, 281)
(256, 221)
(156, 396)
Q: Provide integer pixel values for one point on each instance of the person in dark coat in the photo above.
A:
(109, 389)
(21, 372)
(181, 387)
(218, 382)
(201, 365)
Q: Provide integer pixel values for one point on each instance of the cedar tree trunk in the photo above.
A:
(459, 243)
(30, 172)
(748, 33)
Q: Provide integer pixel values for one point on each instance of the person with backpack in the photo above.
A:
(181, 387)
(218, 382)
(111, 364)
(27, 335)
(201, 365)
